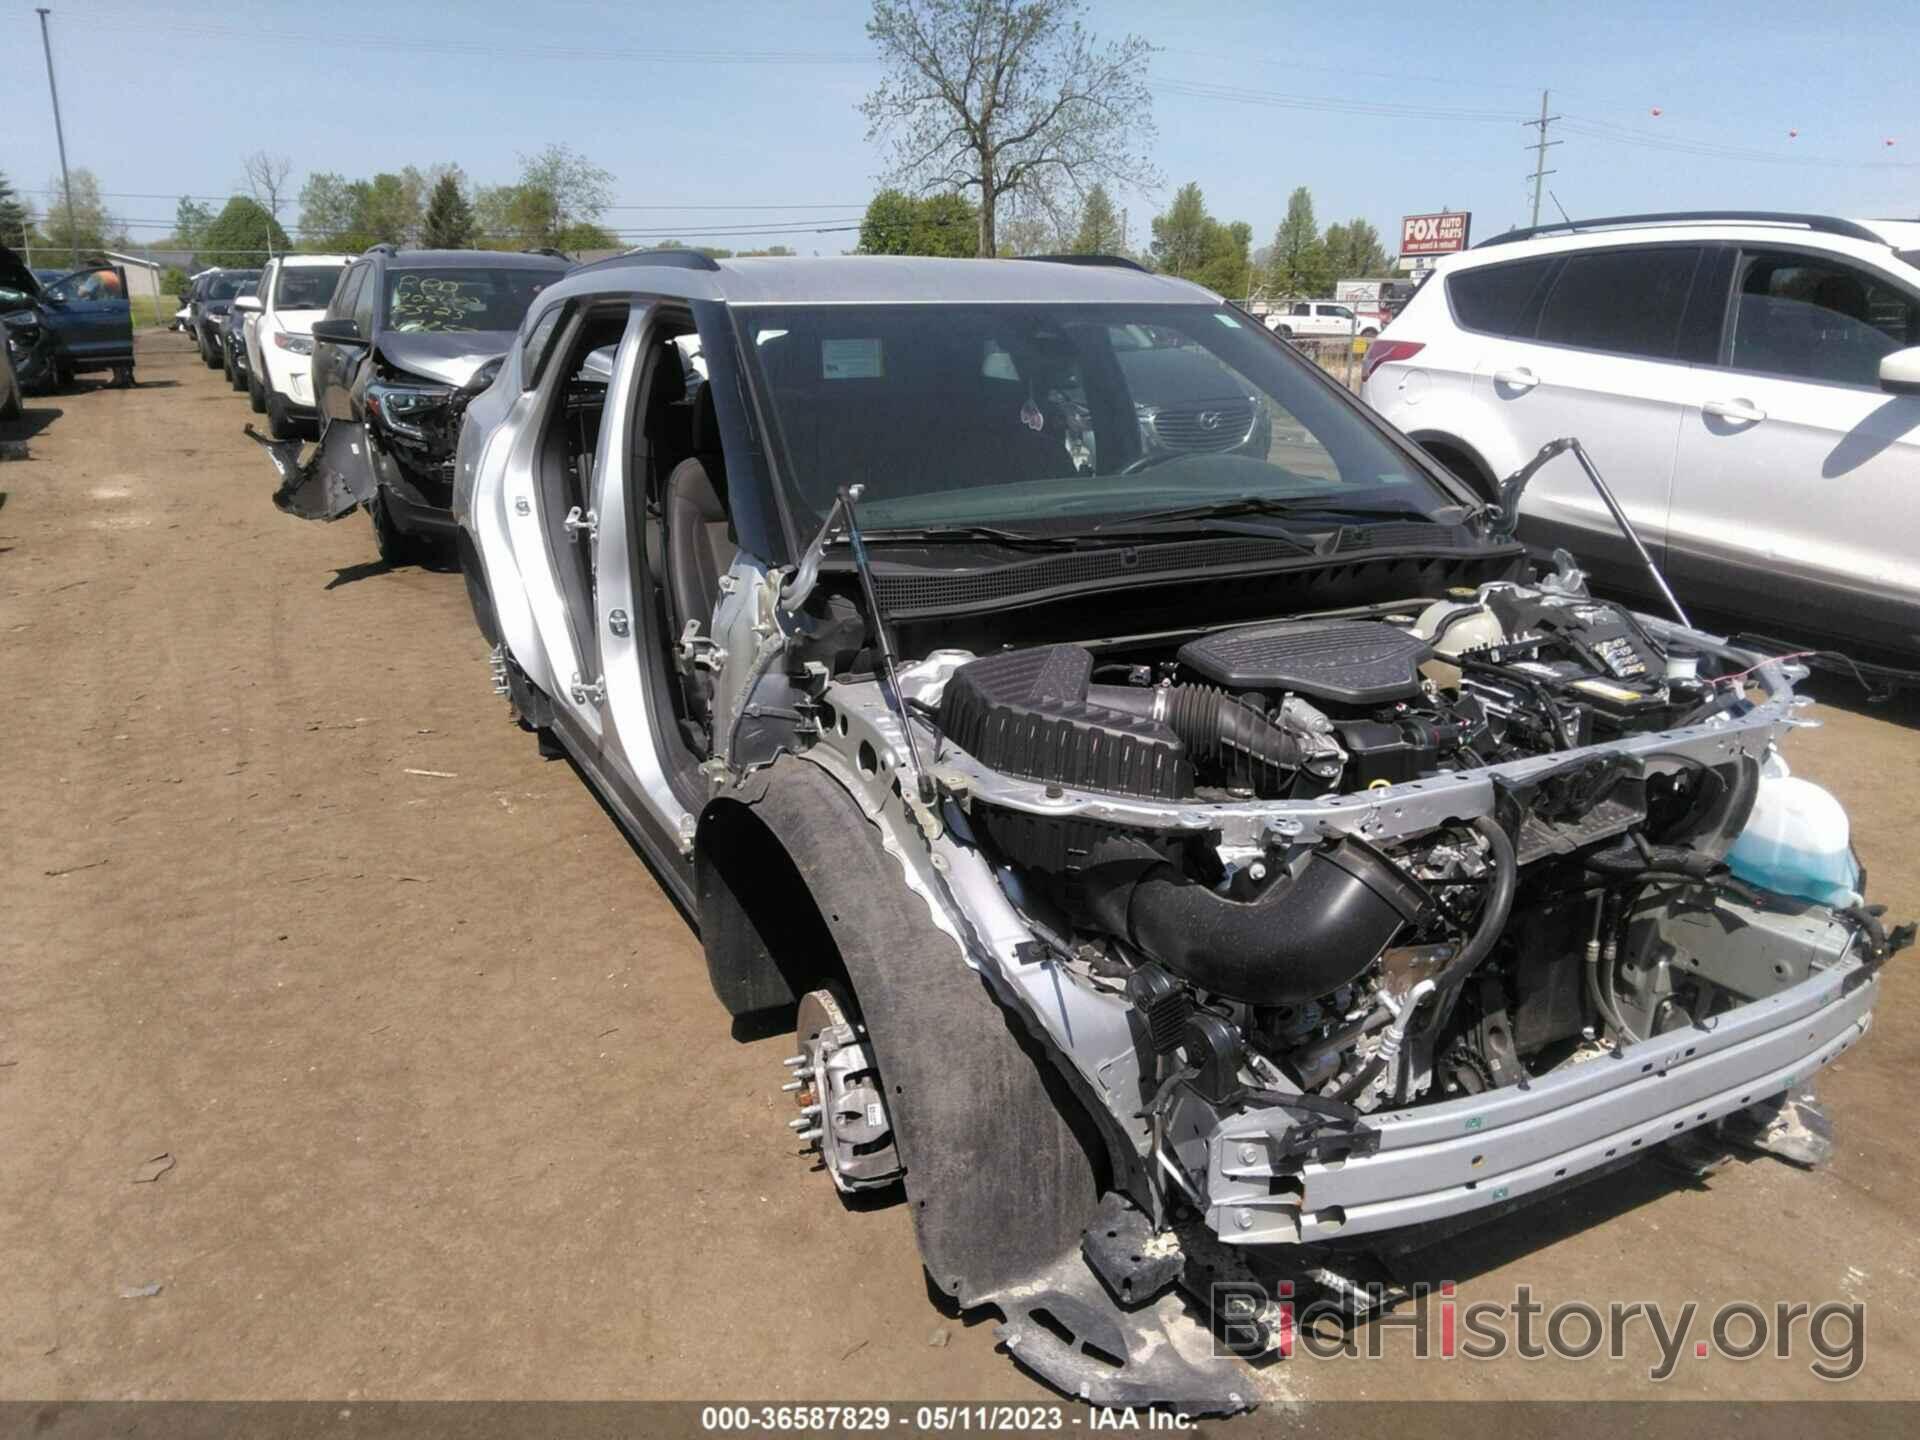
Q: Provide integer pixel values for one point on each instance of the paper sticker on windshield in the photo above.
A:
(850, 359)
(1228, 321)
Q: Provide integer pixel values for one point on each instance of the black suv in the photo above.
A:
(407, 332)
(208, 302)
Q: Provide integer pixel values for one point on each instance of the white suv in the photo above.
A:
(294, 292)
(1748, 384)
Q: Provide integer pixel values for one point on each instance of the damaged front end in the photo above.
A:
(404, 447)
(1341, 926)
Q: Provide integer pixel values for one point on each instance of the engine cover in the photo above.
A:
(1345, 662)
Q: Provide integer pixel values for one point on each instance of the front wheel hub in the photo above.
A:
(843, 1106)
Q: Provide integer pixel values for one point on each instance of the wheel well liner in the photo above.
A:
(1004, 1165)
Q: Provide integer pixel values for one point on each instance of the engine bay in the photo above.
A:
(1370, 971)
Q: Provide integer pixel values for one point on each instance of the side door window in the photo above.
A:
(363, 302)
(341, 305)
(1500, 299)
(1813, 318)
(1622, 302)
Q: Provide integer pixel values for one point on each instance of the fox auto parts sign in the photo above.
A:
(1435, 234)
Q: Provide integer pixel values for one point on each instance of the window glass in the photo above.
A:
(1338, 312)
(363, 302)
(305, 287)
(533, 353)
(229, 283)
(1817, 319)
(1048, 416)
(1493, 299)
(462, 298)
(1626, 302)
(343, 297)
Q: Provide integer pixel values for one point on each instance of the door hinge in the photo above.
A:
(578, 520)
(584, 692)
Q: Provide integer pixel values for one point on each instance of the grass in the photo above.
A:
(150, 311)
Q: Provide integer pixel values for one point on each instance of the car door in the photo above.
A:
(329, 361)
(268, 275)
(1598, 357)
(1797, 485)
(90, 315)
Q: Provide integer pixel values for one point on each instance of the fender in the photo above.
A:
(1004, 1165)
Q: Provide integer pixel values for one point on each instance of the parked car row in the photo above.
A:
(1749, 385)
(1176, 815)
(368, 357)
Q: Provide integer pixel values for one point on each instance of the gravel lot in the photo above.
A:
(449, 1107)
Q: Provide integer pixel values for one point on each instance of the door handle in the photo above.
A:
(1518, 378)
(1744, 411)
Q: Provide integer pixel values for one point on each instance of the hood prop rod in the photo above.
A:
(923, 782)
(1509, 519)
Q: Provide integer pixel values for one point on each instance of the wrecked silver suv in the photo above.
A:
(1193, 842)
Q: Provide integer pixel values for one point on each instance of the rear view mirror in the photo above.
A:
(342, 331)
(1900, 372)
(246, 302)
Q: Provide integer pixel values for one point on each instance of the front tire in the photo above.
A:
(280, 424)
(396, 546)
(256, 394)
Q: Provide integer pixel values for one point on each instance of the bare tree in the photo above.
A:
(267, 180)
(1012, 99)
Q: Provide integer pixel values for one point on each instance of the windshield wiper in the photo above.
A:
(1279, 505)
(943, 534)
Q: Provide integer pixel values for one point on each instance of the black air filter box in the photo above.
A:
(1346, 662)
(1025, 712)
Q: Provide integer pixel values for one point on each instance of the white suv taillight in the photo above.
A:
(1382, 352)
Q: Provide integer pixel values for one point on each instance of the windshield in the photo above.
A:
(306, 287)
(1037, 416)
(232, 283)
(466, 298)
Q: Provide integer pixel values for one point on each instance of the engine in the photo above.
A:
(1364, 973)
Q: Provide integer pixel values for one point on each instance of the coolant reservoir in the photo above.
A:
(1796, 841)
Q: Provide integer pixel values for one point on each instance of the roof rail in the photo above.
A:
(677, 259)
(1117, 262)
(1823, 224)
(385, 247)
(548, 251)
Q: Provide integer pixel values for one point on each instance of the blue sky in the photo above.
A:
(758, 108)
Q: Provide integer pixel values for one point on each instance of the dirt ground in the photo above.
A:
(449, 1107)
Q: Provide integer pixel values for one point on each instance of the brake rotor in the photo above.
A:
(843, 1106)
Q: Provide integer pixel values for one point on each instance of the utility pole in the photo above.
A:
(1539, 148)
(66, 184)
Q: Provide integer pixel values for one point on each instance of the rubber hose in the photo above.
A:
(1216, 728)
(1494, 913)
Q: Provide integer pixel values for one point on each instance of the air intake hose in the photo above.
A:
(1311, 930)
(1219, 730)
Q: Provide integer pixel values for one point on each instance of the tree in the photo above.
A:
(1007, 101)
(267, 180)
(16, 216)
(1354, 251)
(85, 225)
(326, 212)
(241, 235)
(1190, 243)
(386, 210)
(1300, 264)
(556, 203)
(190, 221)
(1099, 232)
(897, 223)
(449, 222)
